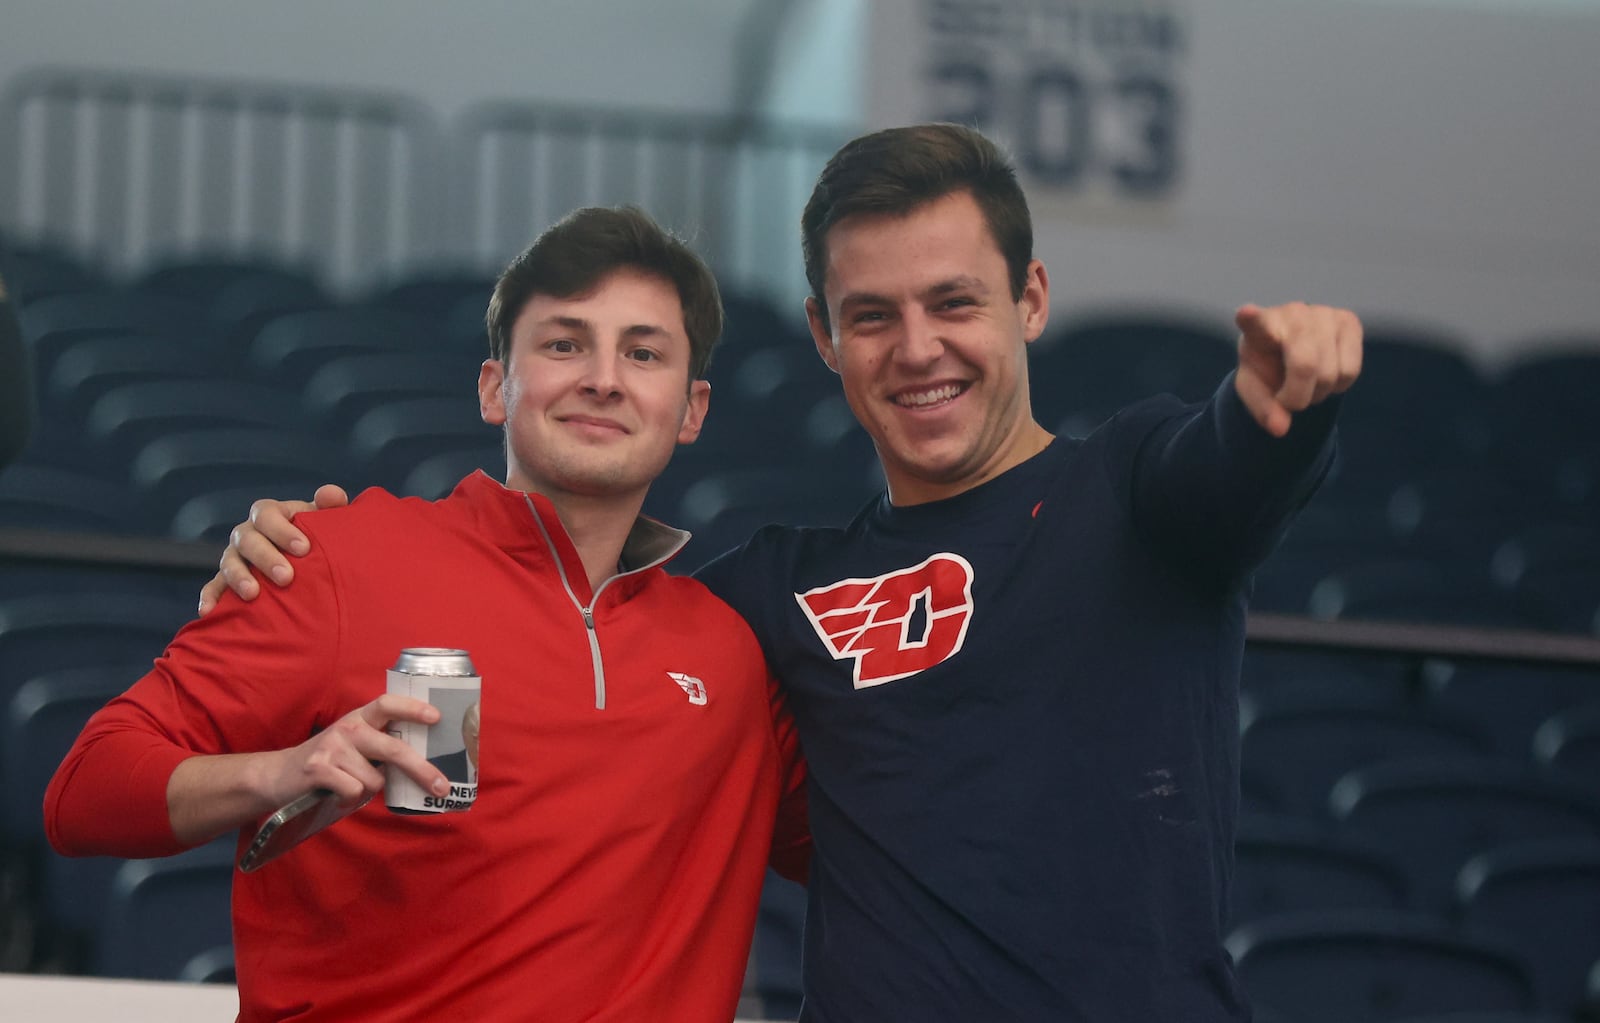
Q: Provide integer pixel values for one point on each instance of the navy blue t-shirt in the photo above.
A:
(1020, 710)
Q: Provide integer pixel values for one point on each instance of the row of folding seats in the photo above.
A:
(1535, 899)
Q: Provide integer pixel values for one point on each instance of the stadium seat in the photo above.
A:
(212, 966)
(434, 477)
(52, 631)
(759, 400)
(1080, 374)
(1417, 592)
(89, 368)
(1419, 407)
(200, 280)
(344, 389)
(51, 324)
(238, 297)
(123, 421)
(209, 517)
(1286, 864)
(45, 497)
(40, 723)
(722, 509)
(33, 273)
(1543, 404)
(389, 441)
(290, 348)
(432, 295)
(163, 913)
(1544, 899)
(1568, 743)
(772, 981)
(1305, 744)
(1277, 672)
(1553, 568)
(751, 322)
(176, 467)
(1374, 966)
(1433, 815)
(1508, 701)
(43, 718)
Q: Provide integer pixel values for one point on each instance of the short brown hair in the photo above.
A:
(587, 244)
(899, 169)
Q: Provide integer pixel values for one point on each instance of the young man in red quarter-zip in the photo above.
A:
(611, 865)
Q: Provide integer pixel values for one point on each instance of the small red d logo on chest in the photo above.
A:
(896, 624)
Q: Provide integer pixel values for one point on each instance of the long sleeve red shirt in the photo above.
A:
(611, 866)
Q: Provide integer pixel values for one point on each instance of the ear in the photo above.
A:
(491, 392)
(694, 416)
(1035, 302)
(820, 335)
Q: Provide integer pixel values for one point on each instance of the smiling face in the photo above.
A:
(595, 392)
(930, 346)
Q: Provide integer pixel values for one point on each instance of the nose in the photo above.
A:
(919, 343)
(601, 378)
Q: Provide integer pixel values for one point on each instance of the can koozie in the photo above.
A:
(446, 679)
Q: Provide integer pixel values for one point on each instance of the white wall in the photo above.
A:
(675, 55)
(1428, 162)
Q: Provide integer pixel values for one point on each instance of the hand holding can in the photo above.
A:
(446, 679)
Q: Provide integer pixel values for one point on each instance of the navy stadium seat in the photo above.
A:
(179, 466)
(1433, 815)
(43, 718)
(1544, 899)
(89, 368)
(200, 280)
(434, 477)
(772, 979)
(1374, 966)
(123, 421)
(163, 913)
(51, 324)
(1084, 372)
(33, 272)
(1286, 864)
(290, 348)
(1304, 744)
(1568, 743)
(1508, 701)
(46, 497)
(343, 390)
(1553, 567)
(1418, 592)
(722, 509)
(432, 295)
(389, 441)
(49, 631)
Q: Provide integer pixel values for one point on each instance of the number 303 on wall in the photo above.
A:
(1068, 129)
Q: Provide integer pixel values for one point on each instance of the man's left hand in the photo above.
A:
(1292, 357)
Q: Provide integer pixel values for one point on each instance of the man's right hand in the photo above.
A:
(347, 757)
(261, 540)
(210, 795)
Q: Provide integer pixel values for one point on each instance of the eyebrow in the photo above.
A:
(960, 282)
(578, 323)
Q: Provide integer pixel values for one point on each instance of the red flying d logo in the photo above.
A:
(870, 619)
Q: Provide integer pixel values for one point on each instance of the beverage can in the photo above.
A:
(447, 679)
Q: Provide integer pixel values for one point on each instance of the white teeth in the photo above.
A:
(929, 397)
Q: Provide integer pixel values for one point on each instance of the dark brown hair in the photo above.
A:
(899, 169)
(577, 251)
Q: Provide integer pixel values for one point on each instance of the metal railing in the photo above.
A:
(129, 170)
